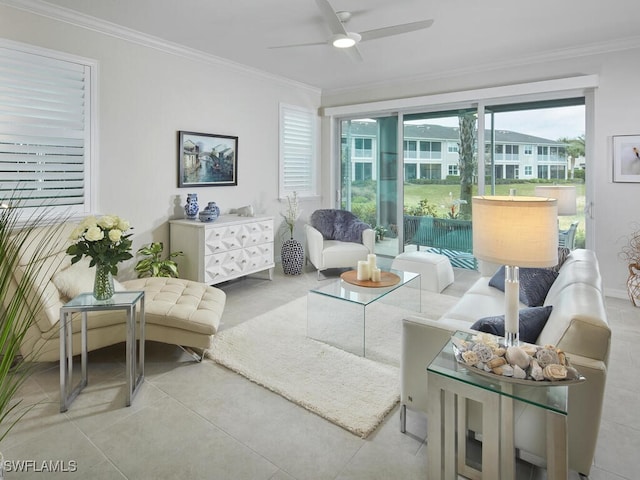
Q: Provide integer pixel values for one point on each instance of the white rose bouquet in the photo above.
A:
(103, 239)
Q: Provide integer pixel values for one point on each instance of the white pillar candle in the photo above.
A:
(376, 275)
(371, 258)
(363, 270)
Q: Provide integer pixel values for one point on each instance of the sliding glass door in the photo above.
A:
(369, 176)
(422, 200)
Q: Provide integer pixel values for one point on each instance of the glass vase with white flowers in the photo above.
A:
(106, 241)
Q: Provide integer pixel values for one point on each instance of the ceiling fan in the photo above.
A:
(344, 39)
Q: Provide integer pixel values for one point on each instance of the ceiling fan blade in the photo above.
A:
(293, 45)
(329, 14)
(395, 30)
(354, 54)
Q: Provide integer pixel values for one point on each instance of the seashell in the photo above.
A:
(504, 370)
(486, 339)
(519, 372)
(499, 352)
(469, 357)
(547, 356)
(460, 343)
(535, 371)
(517, 356)
(555, 371)
(562, 358)
(572, 373)
(496, 362)
(483, 351)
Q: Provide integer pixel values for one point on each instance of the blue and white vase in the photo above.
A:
(191, 207)
(210, 213)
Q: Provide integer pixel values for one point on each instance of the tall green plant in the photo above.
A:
(153, 265)
(19, 306)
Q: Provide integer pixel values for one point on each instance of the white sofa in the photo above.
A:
(577, 325)
(177, 311)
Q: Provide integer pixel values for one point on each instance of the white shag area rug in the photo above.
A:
(353, 392)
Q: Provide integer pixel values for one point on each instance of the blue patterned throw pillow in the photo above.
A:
(534, 284)
(532, 321)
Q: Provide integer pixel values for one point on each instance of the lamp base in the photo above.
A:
(512, 339)
(511, 296)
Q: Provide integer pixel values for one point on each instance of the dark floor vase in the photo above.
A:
(292, 256)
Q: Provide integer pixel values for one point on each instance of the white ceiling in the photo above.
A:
(467, 35)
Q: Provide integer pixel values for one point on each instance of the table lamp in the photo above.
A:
(515, 232)
(564, 194)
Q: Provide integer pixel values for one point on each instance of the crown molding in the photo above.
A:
(104, 27)
(627, 43)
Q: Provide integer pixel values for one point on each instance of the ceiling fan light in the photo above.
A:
(345, 41)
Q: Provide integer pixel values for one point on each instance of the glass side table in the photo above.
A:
(450, 384)
(83, 304)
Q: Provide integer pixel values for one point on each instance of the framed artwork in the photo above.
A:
(626, 158)
(207, 160)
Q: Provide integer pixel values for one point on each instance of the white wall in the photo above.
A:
(145, 97)
(617, 102)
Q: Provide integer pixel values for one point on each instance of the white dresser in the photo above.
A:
(228, 248)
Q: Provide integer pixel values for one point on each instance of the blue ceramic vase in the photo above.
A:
(191, 207)
(210, 213)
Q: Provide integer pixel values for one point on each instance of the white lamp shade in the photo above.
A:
(519, 231)
(564, 194)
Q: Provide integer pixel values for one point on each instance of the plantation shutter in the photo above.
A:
(297, 151)
(44, 129)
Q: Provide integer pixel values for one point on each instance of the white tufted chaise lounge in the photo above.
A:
(177, 311)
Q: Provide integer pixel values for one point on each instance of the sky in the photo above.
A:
(549, 123)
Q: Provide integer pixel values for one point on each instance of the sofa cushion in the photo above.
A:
(534, 284)
(78, 278)
(531, 320)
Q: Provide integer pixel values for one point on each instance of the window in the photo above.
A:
(363, 147)
(45, 127)
(431, 150)
(528, 170)
(297, 151)
(410, 149)
(452, 147)
(528, 149)
(453, 170)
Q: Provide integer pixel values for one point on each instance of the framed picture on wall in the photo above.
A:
(626, 158)
(207, 160)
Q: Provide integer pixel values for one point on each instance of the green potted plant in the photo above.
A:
(153, 265)
(18, 310)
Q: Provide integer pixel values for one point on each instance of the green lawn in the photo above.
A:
(438, 195)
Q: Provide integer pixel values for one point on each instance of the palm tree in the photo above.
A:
(575, 150)
(467, 163)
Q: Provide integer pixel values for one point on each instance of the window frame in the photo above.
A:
(311, 154)
(90, 129)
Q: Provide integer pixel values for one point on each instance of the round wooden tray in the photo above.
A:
(386, 279)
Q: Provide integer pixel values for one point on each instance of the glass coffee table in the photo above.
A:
(344, 315)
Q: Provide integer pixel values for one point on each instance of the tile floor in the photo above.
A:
(195, 420)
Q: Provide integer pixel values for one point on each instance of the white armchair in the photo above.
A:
(337, 239)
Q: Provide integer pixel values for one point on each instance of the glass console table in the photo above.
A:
(83, 304)
(337, 311)
(451, 383)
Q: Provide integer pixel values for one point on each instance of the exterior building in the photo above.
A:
(431, 152)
